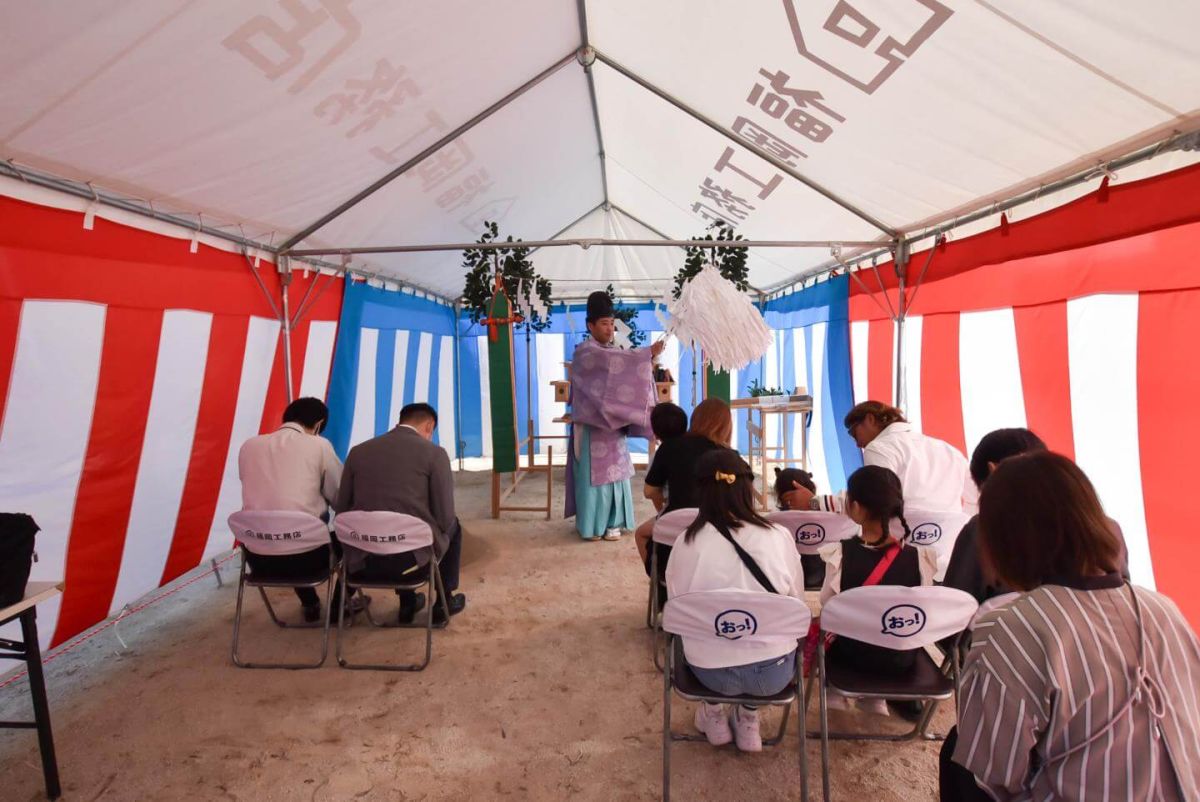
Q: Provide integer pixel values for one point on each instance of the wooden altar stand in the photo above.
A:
(767, 456)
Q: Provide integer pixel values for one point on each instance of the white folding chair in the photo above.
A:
(937, 531)
(667, 530)
(383, 534)
(280, 533)
(813, 529)
(764, 623)
(892, 617)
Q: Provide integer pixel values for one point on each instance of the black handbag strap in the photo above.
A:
(749, 562)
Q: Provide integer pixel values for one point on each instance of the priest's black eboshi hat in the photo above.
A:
(598, 305)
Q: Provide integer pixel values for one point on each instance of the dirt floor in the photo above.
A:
(542, 689)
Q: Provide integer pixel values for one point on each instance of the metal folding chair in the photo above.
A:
(667, 530)
(382, 534)
(752, 618)
(280, 533)
(813, 529)
(937, 531)
(892, 617)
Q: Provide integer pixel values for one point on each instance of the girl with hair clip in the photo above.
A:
(725, 548)
(873, 500)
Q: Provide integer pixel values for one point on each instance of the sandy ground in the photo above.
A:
(542, 689)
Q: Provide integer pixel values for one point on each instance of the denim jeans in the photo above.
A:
(753, 679)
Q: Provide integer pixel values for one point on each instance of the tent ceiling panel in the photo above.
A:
(268, 113)
(674, 173)
(632, 270)
(921, 134)
(532, 167)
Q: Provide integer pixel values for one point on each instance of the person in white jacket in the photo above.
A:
(704, 559)
(935, 475)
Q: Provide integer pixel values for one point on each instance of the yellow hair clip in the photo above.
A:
(727, 478)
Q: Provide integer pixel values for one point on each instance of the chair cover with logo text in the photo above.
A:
(812, 529)
(280, 533)
(937, 531)
(893, 617)
(667, 529)
(670, 526)
(898, 617)
(383, 534)
(758, 620)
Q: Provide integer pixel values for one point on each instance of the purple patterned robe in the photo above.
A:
(612, 391)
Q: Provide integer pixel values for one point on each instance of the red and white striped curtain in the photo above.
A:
(1093, 348)
(131, 370)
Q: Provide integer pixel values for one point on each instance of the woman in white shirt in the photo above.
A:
(933, 473)
(705, 559)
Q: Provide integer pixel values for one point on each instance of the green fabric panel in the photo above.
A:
(503, 389)
(717, 384)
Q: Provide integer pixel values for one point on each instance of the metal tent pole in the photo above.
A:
(775, 162)
(285, 320)
(1187, 141)
(358, 197)
(902, 312)
(458, 387)
(585, 243)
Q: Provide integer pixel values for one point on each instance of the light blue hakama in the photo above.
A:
(602, 507)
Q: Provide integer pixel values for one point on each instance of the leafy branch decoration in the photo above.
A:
(730, 260)
(514, 266)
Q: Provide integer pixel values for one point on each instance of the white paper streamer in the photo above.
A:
(726, 325)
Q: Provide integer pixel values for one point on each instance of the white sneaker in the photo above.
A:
(612, 534)
(745, 729)
(711, 720)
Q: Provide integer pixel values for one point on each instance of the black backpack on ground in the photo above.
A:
(16, 555)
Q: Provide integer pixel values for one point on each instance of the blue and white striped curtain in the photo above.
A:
(535, 368)
(393, 348)
(811, 349)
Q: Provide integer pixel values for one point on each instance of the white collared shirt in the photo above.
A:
(934, 475)
(289, 469)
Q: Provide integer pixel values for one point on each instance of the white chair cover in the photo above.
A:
(897, 617)
(992, 604)
(378, 532)
(754, 617)
(937, 531)
(669, 527)
(813, 529)
(277, 533)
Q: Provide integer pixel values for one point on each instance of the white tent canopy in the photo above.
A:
(853, 121)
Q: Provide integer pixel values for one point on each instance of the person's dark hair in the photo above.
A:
(885, 414)
(713, 419)
(727, 505)
(1000, 445)
(308, 412)
(878, 491)
(668, 421)
(784, 477)
(413, 414)
(1040, 519)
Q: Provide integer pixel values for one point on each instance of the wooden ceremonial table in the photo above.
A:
(29, 651)
(785, 406)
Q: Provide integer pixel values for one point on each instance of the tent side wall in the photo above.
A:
(1089, 345)
(394, 348)
(131, 368)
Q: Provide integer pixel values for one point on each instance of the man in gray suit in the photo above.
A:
(405, 471)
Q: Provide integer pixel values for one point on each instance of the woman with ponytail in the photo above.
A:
(731, 547)
(874, 501)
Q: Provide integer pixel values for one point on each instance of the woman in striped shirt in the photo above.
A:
(1084, 688)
